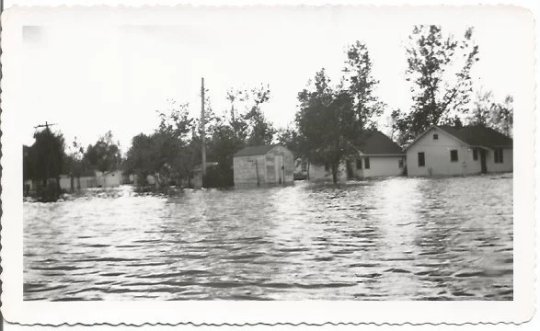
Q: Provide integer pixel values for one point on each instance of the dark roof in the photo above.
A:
(254, 150)
(478, 135)
(376, 142)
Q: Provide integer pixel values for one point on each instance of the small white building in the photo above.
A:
(446, 150)
(263, 165)
(377, 156)
(108, 179)
(90, 180)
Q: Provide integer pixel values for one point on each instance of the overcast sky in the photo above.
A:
(90, 75)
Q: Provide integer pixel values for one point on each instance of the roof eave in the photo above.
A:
(383, 154)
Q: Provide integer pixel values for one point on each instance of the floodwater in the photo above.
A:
(392, 239)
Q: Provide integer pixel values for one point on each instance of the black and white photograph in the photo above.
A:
(268, 153)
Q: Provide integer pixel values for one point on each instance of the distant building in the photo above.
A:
(68, 183)
(91, 179)
(377, 156)
(109, 178)
(300, 169)
(446, 150)
(263, 165)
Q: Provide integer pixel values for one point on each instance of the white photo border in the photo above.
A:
(318, 312)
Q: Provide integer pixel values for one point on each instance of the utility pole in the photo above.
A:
(46, 125)
(203, 129)
(48, 161)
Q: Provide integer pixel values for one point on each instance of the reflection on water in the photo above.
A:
(393, 239)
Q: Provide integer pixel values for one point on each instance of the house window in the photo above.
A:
(358, 163)
(435, 136)
(400, 163)
(421, 159)
(366, 162)
(453, 155)
(498, 155)
(475, 154)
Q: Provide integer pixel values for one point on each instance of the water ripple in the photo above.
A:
(392, 239)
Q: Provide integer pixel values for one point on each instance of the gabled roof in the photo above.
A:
(376, 143)
(255, 150)
(473, 135)
(478, 135)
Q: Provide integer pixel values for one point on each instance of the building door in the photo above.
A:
(278, 167)
(483, 160)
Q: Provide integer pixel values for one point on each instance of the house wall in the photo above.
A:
(65, 182)
(84, 182)
(505, 166)
(380, 166)
(246, 167)
(109, 179)
(79, 183)
(437, 156)
(286, 174)
(317, 173)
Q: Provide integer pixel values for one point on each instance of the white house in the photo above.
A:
(377, 156)
(446, 150)
(262, 165)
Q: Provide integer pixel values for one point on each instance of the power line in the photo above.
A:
(46, 125)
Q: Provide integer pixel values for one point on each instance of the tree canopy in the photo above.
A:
(439, 70)
(496, 115)
(331, 117)
(45, 158)
(104, 155)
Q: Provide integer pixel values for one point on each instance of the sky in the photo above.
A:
(93, 71)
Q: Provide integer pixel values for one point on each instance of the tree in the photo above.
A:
(43, 161)
(482, 110)
(75, 164)
(439, 69)
(104, 155)
(247, 118)
(290, 138)
(222, 146)
(142, 158)
(503, 116)
(361, 84)
(236, 120)
(487, 112)
(261, 131)
(331, 119)
(168, 153)
(48, 154)
(328, 123)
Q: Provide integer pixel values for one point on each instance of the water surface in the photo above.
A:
(392, 239)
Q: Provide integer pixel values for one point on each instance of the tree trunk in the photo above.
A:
(334, 173)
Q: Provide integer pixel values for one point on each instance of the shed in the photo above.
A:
(263, 165)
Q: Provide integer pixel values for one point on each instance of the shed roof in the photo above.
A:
(377, 143)
(478, 135)
(255, 150)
